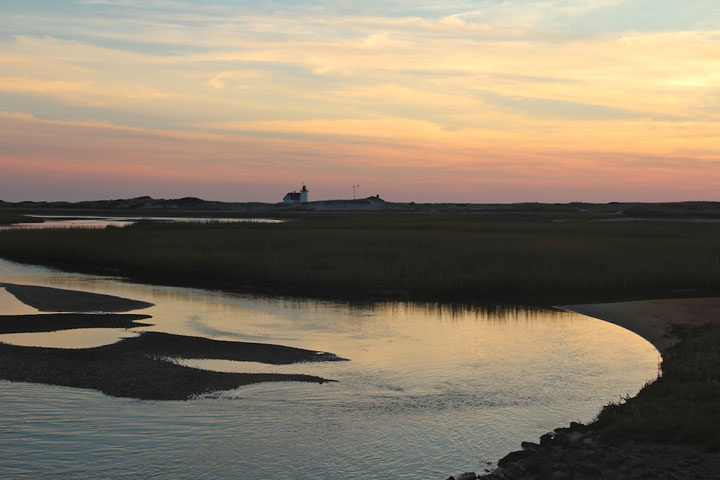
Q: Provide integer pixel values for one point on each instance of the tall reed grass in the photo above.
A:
(416, 256)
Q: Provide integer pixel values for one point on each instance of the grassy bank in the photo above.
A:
(682, 405)
(419, 256)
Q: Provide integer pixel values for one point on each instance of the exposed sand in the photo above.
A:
(654, 319)
(137, 367)
(47, 299)
(54, 322)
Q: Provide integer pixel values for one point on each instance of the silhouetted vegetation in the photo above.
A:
(682, 405)
(420, 256)
(191, 206)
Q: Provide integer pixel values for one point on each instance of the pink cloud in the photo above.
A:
(69, 161)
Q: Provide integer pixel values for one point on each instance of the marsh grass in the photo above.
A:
(683, 405)
(420, 256)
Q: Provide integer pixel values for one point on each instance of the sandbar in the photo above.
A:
(48, 299)
(142, 367)
(54, 322)
(654, 320)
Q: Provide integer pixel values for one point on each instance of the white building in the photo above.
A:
(297, 197)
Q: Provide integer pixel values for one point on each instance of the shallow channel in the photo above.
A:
(429, 390)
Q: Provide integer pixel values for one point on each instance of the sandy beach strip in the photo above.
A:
(654, 319)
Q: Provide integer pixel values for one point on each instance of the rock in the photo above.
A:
(556, 451)
(597, 457)
(636, 464)
(573, 438)
(492, 476)
(513, 457)
(546, 439)
(588, 469)
(466, 476)
(637, 474)
(534, 464)
(560, 438)
(589, 441)
(578, 453)
(573, 456)
(513, 471)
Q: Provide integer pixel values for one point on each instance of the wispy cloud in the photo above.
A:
(514, 87)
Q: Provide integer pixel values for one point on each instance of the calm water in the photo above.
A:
(87, 221)
(428, 392)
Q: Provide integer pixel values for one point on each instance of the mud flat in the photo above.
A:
(54, 322)
(141, 366)
(48, 299)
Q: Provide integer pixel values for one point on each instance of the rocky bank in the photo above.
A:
(576, 453)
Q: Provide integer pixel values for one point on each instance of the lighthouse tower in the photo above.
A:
(303, 194)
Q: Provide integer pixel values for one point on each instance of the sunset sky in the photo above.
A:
(454, 101)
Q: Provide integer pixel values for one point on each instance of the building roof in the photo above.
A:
(293, 195)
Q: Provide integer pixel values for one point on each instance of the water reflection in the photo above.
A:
(430, 389)
(9, 305)
(78, 338)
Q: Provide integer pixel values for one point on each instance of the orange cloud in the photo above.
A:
(496, 97)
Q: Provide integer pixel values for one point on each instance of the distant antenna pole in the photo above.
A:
(354, 187)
